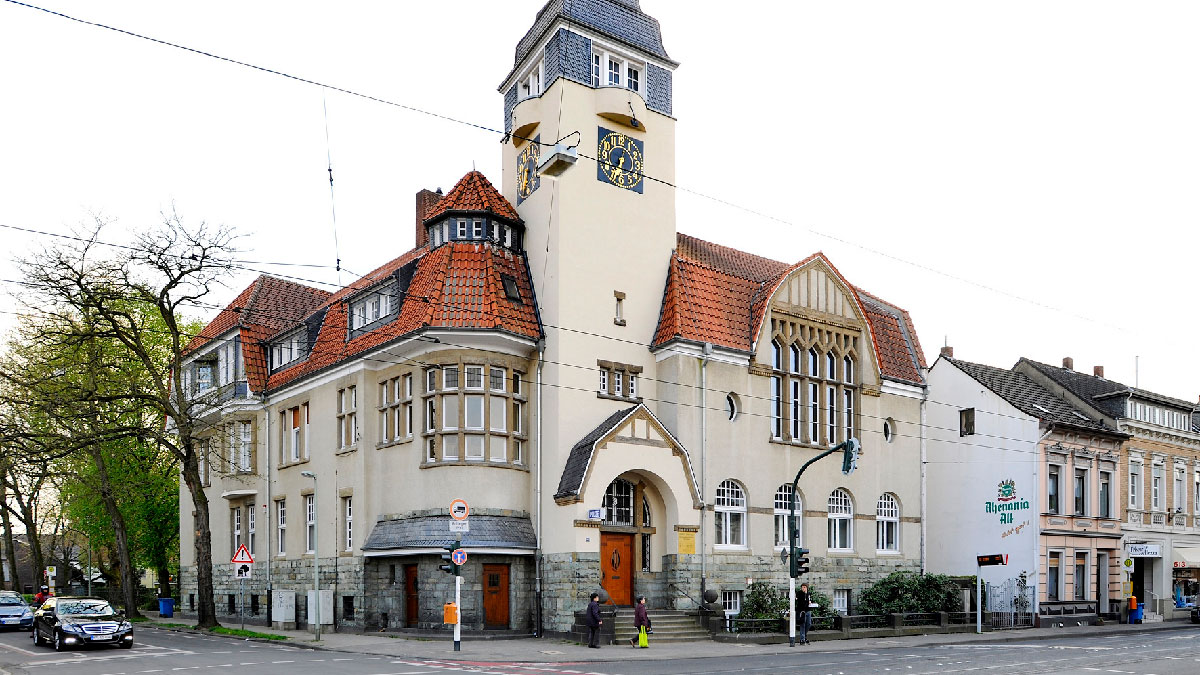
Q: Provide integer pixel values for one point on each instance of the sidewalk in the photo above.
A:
(534, 650)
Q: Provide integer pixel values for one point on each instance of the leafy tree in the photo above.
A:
(901, 592)
(116, 295)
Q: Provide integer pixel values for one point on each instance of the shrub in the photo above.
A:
(909, 592)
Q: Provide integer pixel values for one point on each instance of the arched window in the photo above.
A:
(841, 521)
(730, 515)
(812, 363)
(887, 523)
(848, 412)
(618, 503)
(776, 355)
(847, 370)
(795, 364)
(830, 366)
(781, 516)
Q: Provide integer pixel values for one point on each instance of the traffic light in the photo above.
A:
(850, 456)
(800, 562)
(448, 566)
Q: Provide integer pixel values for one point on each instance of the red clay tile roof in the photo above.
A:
(474, 193)
(720, 295)
(456, 285)
(265, 307)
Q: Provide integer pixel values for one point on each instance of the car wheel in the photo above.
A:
(58, 642)
(127, 645)
(37, 638)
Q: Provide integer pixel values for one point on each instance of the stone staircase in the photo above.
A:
(669, 626)
(1147, 617)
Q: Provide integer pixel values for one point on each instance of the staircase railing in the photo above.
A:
(685, 594)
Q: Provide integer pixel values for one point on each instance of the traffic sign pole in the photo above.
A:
(458, 619)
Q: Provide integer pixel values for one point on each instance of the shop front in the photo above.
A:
(1185, 576)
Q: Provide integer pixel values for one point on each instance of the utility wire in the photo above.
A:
(672, 185)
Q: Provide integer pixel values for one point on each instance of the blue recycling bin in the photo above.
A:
(166, 607)
(1135, 615)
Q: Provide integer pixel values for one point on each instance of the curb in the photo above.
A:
(201, 631)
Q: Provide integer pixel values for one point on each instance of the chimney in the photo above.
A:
(948, 352)
(1068, 363)
(1098, 371)
(426, 200)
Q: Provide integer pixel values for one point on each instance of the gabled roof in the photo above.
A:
(1028, 396)
(473, 193)
(267, 306)
(575, 471)
(1102, 394)
(720, 295)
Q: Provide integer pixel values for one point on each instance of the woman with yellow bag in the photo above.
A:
(641, 622)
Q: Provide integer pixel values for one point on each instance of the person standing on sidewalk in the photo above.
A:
(594, 621)
(803, 615)
(641, 621)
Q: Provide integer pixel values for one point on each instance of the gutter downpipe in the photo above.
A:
(924, 484)
(537, 592)
(267, 515)
(708, 348)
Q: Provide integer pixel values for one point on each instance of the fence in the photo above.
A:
(1010, 604)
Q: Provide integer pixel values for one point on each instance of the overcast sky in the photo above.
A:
(1021, 176)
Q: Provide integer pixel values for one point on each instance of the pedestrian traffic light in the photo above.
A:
(448, 565)
(800, 562)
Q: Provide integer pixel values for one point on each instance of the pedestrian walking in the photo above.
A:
(803, 616)
(641, 622)
(594, 621)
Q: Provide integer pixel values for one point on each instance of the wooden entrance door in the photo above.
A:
(411, 604)
(495, 596)
(616, 566)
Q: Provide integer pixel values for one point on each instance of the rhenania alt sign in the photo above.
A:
(1006, 501)
(1143, 550)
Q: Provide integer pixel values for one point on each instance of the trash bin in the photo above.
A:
(1135, 614)
(166, 607)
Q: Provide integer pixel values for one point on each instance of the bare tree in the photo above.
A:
(168, 269)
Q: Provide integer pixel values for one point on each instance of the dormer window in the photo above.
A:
(204, 375)
(287, 349)
(374, 307)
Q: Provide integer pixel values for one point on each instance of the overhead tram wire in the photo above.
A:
(451, 306)
(481, 127)
(332, 201)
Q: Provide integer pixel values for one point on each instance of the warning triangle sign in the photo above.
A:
(242, 555)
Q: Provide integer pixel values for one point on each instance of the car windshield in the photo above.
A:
(8, 600)
(85, 607)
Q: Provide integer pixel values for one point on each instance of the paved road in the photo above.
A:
(1159, 653)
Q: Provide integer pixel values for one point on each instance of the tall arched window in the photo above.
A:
(887, 523)
(830, 367)
(776, 355)
(841, 521)
(618, 503)
(812, 363)
(795, 364)
(847, 370)
(730, 515)
(781, 516)
(776, 390)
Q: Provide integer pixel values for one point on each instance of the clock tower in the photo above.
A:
(592, 75)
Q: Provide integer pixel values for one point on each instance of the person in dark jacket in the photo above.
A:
(594, 621)
(640, 619)
(803, 614)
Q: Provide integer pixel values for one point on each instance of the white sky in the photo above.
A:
(934, 150)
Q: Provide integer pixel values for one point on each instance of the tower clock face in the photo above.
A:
(619, 160)
(527, 164)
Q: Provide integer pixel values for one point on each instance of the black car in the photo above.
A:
(75, 622)
(1196, 614)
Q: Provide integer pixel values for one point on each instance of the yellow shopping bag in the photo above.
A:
(643, 641)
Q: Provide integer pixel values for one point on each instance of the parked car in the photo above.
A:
(1196, 614)
(66, 622)
(14, 613)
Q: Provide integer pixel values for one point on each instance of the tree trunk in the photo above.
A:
(35, 542)
(206, 605)
(120, 536)
(10, 550)
(164, 581)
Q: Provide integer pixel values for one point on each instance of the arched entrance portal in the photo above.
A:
(625, 537)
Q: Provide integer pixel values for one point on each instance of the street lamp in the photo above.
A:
(316, 560)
